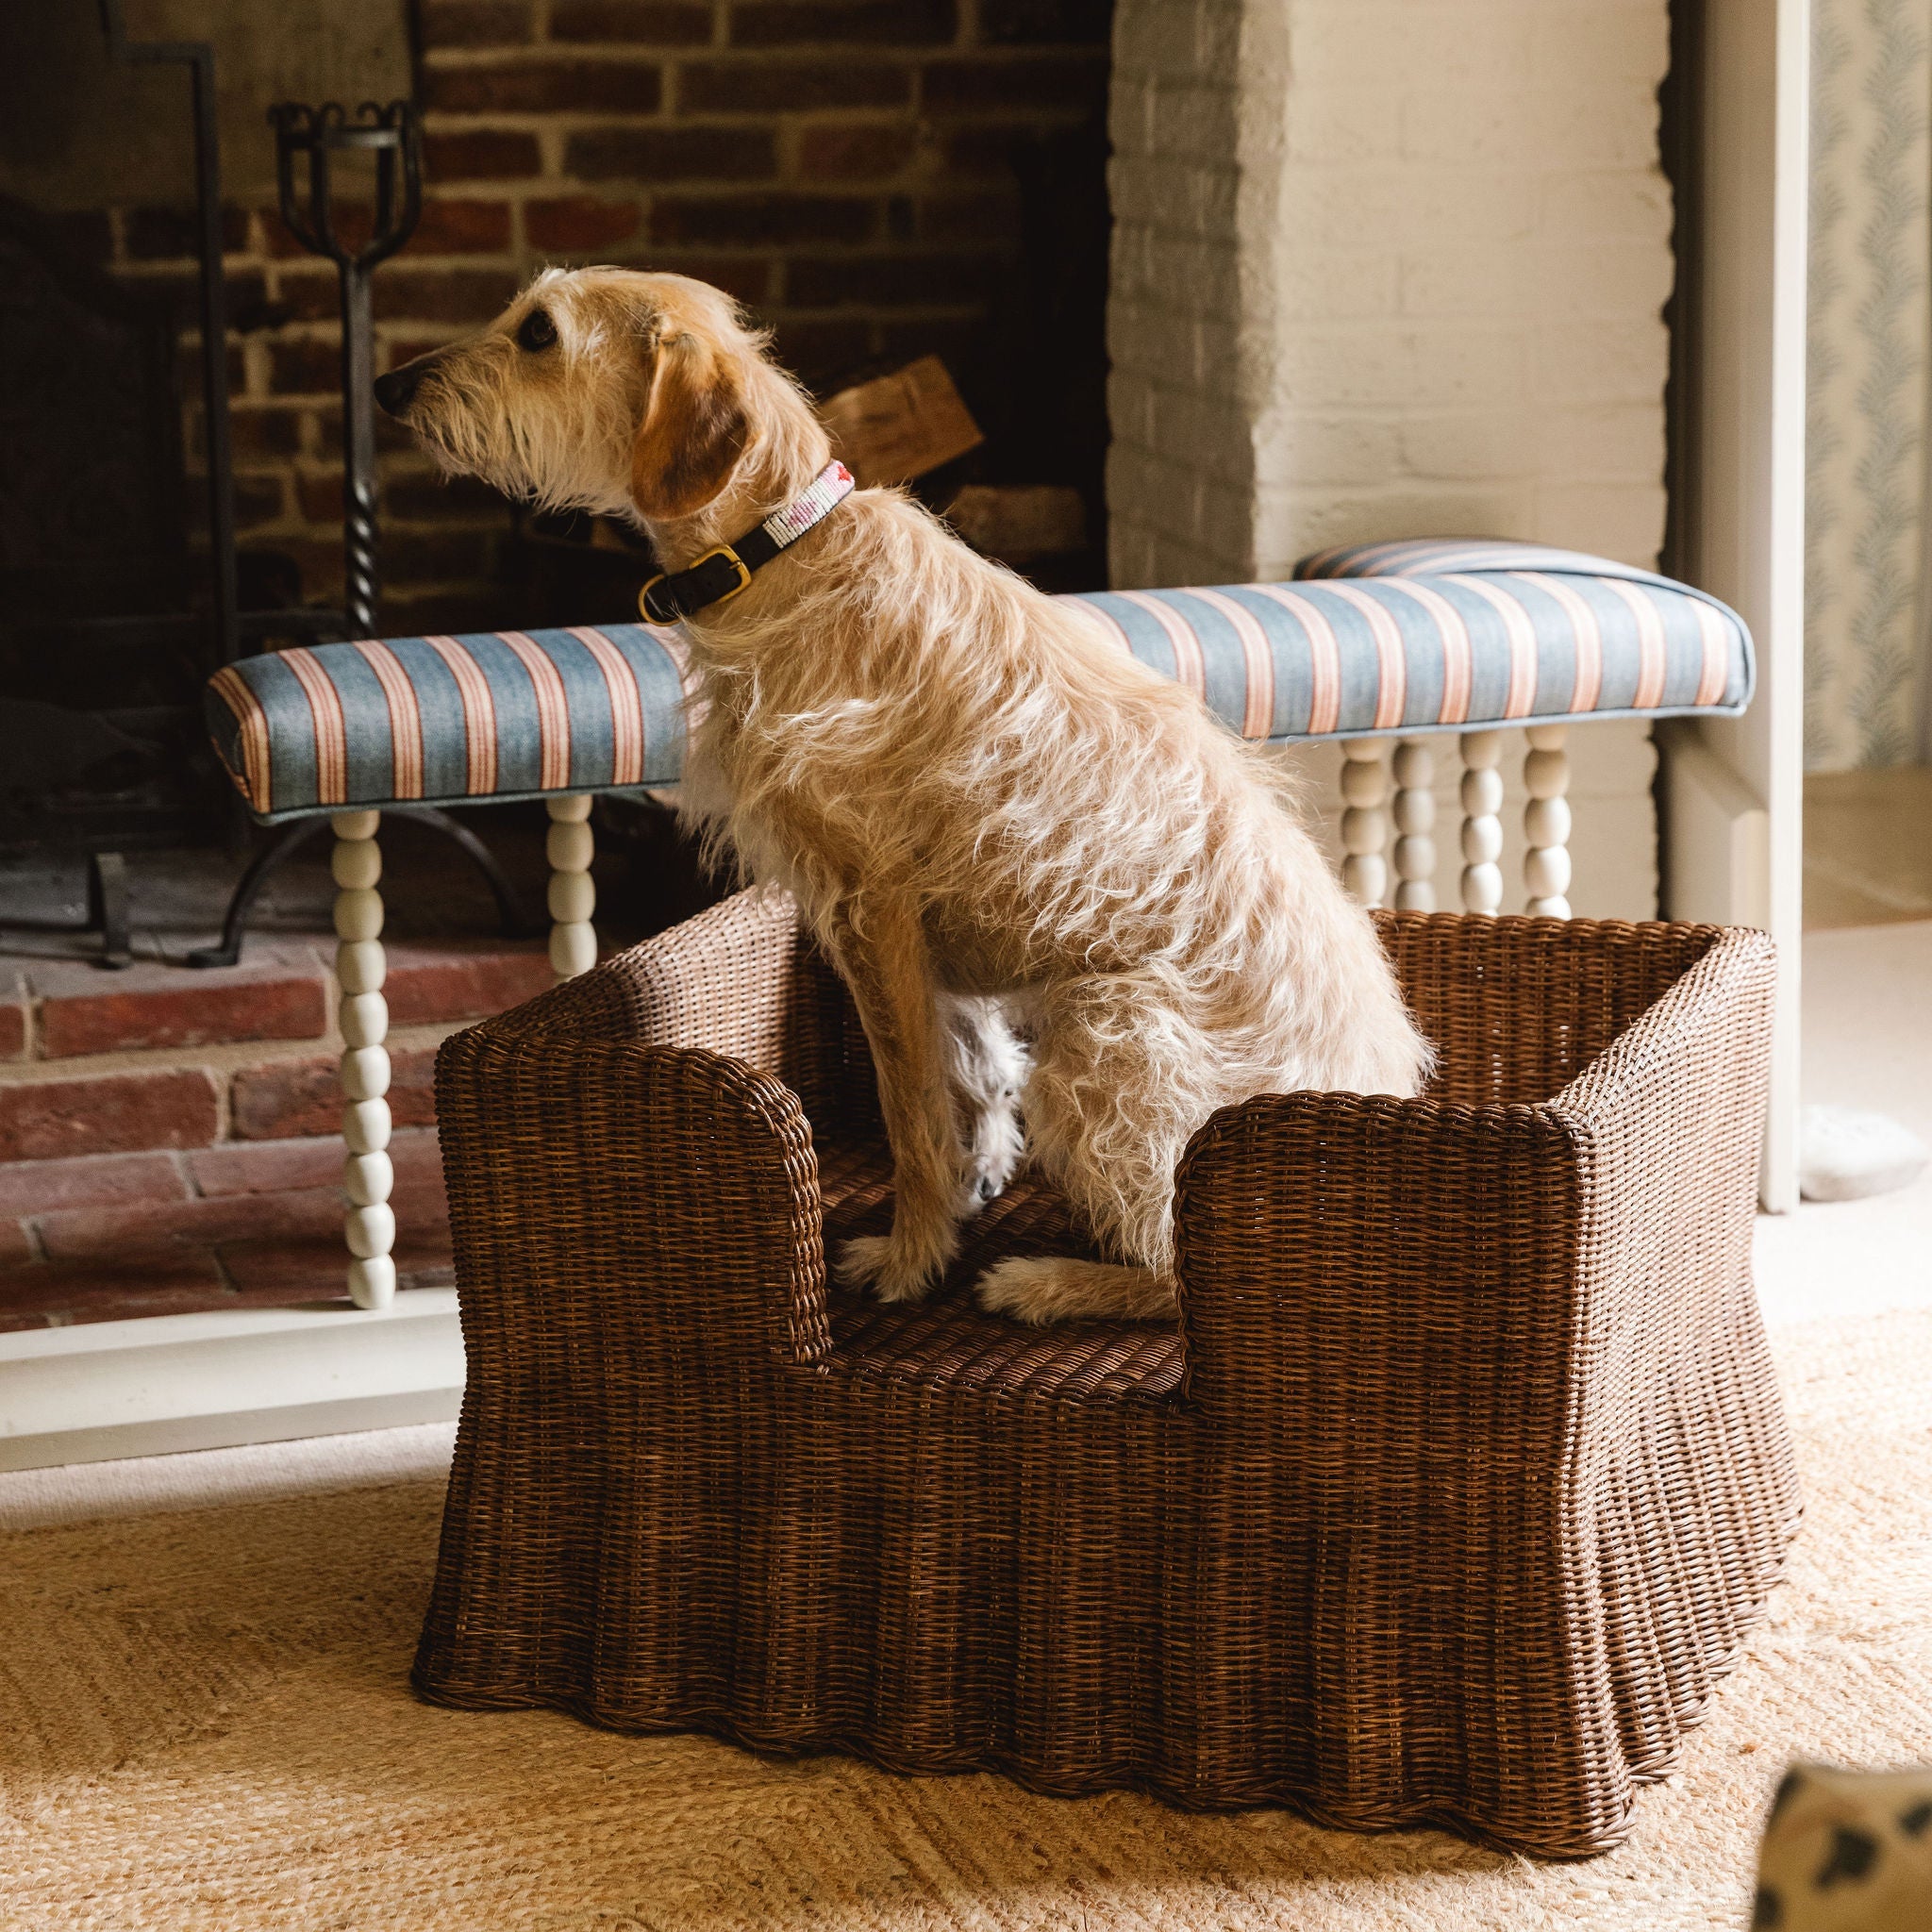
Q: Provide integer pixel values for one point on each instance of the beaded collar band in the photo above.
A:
(719, 575)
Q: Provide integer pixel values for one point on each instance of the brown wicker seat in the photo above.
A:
(1446, 1502)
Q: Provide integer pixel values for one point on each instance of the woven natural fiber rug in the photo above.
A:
(204, 1723)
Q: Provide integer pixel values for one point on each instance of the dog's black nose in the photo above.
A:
(397, 389)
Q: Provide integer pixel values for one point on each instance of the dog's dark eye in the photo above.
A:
(536, 331)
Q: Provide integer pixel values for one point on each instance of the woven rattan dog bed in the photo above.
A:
(1445, 1504)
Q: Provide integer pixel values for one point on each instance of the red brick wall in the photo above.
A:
(875, 178)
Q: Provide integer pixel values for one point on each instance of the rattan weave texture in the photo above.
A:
(1445, 1503)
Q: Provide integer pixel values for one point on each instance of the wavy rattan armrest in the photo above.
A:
(1349, 1253)
(1517, 1007)
(1339, 1254)
(667, 1192)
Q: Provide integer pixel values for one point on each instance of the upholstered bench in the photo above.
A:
(1380, 640)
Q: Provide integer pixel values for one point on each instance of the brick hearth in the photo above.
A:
(170, 1144)
(168, 1137)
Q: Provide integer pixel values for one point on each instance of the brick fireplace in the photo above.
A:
(879, 179)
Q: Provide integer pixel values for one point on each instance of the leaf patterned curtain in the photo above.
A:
(1866, 609)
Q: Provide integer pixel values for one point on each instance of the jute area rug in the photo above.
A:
(204, 1723)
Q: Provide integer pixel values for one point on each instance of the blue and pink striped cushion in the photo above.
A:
(1437, 636)
(501, 714)
(1424, 636)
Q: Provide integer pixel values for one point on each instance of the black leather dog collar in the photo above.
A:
(719, 575)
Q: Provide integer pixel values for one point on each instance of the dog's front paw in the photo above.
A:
(999, 1151)
(876, 1261)
(977, 1187)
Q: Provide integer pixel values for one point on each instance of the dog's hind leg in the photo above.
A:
(1110, 1105)
(1056, 1288)
(988, 1067)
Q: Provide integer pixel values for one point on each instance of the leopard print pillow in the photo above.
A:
(1847, 1851)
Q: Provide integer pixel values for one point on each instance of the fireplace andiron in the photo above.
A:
(392, 136)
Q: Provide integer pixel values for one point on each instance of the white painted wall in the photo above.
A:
(1393, 268)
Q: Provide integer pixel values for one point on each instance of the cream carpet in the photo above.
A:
(204, 1723)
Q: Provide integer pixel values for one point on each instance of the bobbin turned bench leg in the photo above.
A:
(1482, 830)
(1415, 820)
(573, 896)
(1546, 821)
(1364, 824)
(368, 1174)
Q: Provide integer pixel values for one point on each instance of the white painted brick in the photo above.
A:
(1362, 48)
(1130, 116)
(1208, 436)
(1456, 363)
(1609, 359)
(1462, 281)
(1401, 367)
(1133, 480)
(1191, 197)
(1291, 523)
(1619, 202)
(1166, 40)
(1223, 522)
(1620, 519)
(1442, 315)
(1195, 277)
(1215, 346)
(1356, 127)
(1610, 278)
(1218, 36)
(1191, 120)
(1130, 553)
(1137, 335)
(1399, 206)
(1130, 410)
(1332, 451)
(1463, 126)
(1476, 445)
(1600, 42)
(1337, 284)
(1595, 124)
(1604, 442)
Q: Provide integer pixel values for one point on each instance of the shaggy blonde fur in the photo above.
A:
(1000, 827)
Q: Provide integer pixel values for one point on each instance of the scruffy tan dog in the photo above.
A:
(998, 825)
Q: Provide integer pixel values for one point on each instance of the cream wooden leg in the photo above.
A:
(1364, 824)
(572, 892)
(1546, 820)
(1482, 830)
(368, 1176)
(1415, 820)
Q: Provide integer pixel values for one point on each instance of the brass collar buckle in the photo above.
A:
(669, 608)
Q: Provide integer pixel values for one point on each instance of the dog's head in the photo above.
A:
(598, 388)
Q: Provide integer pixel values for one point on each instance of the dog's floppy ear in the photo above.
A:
(694, 430)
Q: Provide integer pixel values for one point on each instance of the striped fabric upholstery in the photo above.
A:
(439, 720)
(1422, 636)
(1439, 637)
